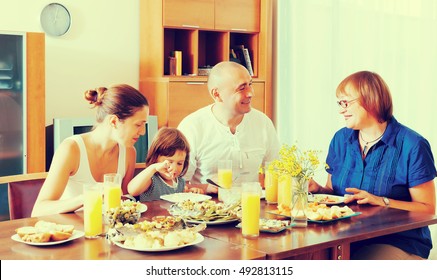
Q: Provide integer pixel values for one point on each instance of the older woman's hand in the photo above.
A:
(362, 197)
(313, 187)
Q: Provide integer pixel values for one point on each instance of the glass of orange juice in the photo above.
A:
(284, 190)
(271, 184)
(111, 190)
(224, 173)
(251, 207)
(92, 210)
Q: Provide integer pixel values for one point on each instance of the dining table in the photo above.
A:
(224, 241)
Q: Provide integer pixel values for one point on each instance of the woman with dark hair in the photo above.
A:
(378, 161)
(121, 117)
(166, 162)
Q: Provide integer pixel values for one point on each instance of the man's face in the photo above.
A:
(236, 92)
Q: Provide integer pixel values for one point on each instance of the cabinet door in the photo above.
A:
(237, 15)
(185, 98)
(188, 13)
(258, 100)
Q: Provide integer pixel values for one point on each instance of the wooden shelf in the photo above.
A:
(173, 25)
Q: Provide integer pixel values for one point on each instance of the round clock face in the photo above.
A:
(55, 19)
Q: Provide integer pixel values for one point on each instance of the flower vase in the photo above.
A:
(299, 202)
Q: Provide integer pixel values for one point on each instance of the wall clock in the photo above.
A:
(55, 19)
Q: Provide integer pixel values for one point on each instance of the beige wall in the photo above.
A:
(101, 48)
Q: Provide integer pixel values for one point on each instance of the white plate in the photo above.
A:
(327, 199)
(179, 197)
(143, 208)
(76, 234)
(199, 238)
(219, 222)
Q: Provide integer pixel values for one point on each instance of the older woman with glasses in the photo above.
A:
(378, 161)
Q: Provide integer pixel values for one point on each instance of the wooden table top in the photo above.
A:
(319, 241)
(79, 249)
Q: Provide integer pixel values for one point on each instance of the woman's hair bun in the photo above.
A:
(95, 96)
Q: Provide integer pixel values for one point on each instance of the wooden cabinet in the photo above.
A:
(237, 15)
(26, 96)
(169, 25)
(197, 95)
(188, 13)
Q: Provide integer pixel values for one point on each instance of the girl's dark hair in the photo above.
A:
(165, 143)
(120, 100)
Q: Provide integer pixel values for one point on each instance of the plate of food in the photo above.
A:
(320, 213)
(334, 219)
(209, 212)
(271, 225)
(327, 199)
(140, 207)
(179, 197)
(38, 239)
(141, 243)
(211, 223)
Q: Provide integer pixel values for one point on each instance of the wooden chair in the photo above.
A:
(23, 190)
(139, 166)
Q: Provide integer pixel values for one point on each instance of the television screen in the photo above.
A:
(82, 129)
(66, 127)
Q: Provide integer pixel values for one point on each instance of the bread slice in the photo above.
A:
(22, 231)
(40, 237)
(65, 228)
(44, 226)
(59, 235)
(53, 227)
(44, 232)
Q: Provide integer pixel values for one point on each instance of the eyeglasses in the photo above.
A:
(345, 103)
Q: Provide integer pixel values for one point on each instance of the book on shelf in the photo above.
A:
(248, 61)
(243, 56)
(176, 63)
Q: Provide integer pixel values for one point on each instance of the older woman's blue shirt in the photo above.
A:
(400, 160)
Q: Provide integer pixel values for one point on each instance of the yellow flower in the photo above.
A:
(292, 161)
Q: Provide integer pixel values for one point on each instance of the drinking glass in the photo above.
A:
(271, 185)
(251, 205)
(92, 210)
(112, 190)
(284, 190)
(224, 173)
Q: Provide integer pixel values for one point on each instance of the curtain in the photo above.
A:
(320, 42)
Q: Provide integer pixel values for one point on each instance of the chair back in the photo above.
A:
(23, 191)
(139, 166)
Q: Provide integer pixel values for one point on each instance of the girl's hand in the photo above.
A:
(164, 168)
(362, 197)
(193, 190)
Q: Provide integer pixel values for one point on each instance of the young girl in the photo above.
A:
(167, 161)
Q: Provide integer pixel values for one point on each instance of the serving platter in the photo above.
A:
(179, 197)
(215, 222)
(76, 234)
(333, 220)
(284, 225)
(199, 238)
(317, 221)
(327, 199)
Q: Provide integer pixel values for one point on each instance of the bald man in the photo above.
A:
(228, 129)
